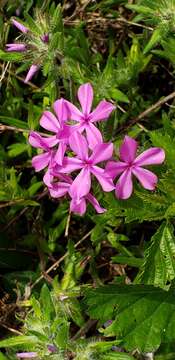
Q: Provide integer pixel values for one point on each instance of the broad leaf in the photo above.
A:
(159, 264)
(144, 315)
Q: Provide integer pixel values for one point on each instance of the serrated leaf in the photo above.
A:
(144, 315)
(159, 264)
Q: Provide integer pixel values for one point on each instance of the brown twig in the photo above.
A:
(14, 128)
(23, 211)
(57, 263)
(19, 77)
(84, 329)
(11, 329)
(146, 112)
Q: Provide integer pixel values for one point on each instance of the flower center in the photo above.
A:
(88, 162)
(130, 165)
(86, 118)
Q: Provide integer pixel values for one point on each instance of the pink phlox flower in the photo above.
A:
(19, 47)
(20, 26)
(23, 47)
(45, 38)
(27, 355)
(39, 162)
(61, 188)
(57, 124)
(86, 118)
(131, 164)
(82, 183)
(31, 72)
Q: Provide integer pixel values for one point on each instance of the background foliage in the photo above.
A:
(101, 286)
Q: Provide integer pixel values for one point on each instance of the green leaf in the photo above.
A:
(13, 122)
(116, 355)
(6, 56)
(3, 357)
(129, 260)
(155, 38)
(17, 149)
(62, 336)
(47, 304)
(119, 95)
(34, 188)
(144, 315)
(159, 263)
(140, 9)
(19, 340)
(32, 24)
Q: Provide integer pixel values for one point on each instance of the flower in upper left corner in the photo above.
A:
(35, 44)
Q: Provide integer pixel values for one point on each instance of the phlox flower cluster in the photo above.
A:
(31, 44)
(75, 154)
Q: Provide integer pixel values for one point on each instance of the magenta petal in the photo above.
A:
(79, 145)
(102, 152)
(147, 178)
(78, 206)
(73, 112)
(36, 140)
(151, 156)
(45, 38)
(115, 168)
(70, 164)
(94, 135)
(102, 111)
(50, 141)
(33, 69)
(61, 110)
(59, 156)
(85, 97)
(59, 189)
(81, 185)
(128, 149)
(48, 178)
(49, 122)
(95, 204)
(16, 47)
(39, 162)
(19, 26)
(27, 355)
(103, 178)
(124, 186)
(66, 131)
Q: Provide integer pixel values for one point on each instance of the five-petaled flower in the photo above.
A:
(86, 118)
(88, 165)
(131, 164)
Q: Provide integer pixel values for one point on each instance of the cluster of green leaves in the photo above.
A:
(47, 331)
